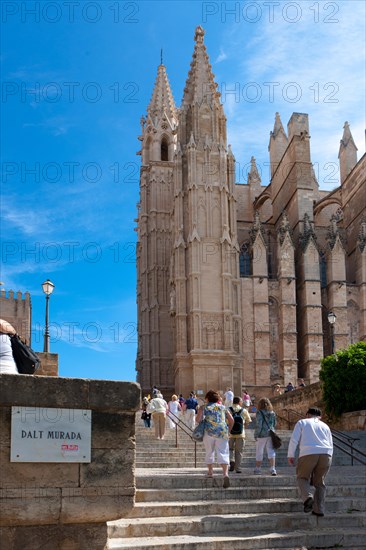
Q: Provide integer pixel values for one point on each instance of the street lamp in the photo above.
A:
(332, 319)
(47, 289)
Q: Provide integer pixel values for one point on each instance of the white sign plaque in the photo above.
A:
(41, 434)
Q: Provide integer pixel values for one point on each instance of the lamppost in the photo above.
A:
(47, 289)
(332, 319)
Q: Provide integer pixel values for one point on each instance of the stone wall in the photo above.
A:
(65, 506)
(49, 364)
(290, 405)
(16, 308)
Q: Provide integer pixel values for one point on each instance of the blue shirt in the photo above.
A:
(191, 403)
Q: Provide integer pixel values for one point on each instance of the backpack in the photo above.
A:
(26, 360)
(238, 426)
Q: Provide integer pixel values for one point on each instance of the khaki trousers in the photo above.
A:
(236, 446)
(312, 470)
(159, 424)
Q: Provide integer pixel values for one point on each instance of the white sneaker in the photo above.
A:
(273, 472)
(257, 471)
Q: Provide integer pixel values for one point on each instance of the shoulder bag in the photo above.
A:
(199, 431)
(276, 440)
(26, 360)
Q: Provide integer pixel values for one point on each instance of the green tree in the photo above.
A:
(344, 380)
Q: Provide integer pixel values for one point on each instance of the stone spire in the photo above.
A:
(257, 227)
(308, 233)
(278, 127)
(278, 143)
(253, 176)
(162, 98)
(362, 235)
(284, 228)
(200, 85)
(333, 232)
(347, 136)
(347, 153)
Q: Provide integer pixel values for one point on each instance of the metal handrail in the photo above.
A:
(349, 444)
(187, 430)
(343, 438)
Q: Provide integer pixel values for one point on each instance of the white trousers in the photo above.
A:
(264, 443)
(218, 445)
(190, 418)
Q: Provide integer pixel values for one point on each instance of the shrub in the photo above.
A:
(343, 377)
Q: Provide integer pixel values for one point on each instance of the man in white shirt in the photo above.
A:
(229, 396)
(315, 457)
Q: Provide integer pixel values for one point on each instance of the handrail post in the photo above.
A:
(195, 454)
(352, 453)
(176, 436)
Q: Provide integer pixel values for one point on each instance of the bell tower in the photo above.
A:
(158, 137)
(206, 253)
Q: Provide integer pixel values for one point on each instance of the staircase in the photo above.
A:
(178, 508)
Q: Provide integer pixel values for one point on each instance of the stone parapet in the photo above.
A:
(290, 405)
(65, 505)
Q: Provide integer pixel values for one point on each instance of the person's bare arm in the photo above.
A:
(229, 420)
(6, 327)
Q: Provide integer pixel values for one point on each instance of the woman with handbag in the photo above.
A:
(7, 363)
(218, 422)
(265, 422)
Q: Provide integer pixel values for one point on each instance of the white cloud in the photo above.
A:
(221, 57)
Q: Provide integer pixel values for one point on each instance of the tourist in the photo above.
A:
(246, 399)
(277, 390)
(190, 408)
(7, 363)
(237, 434)
(289, 387)
(301, 383)
(181, 403)
(266, 420)
(181, 400)
(146, 417)
(173, 410)
(315, 442)
(158, 408)
(229, 396)
(218, 422)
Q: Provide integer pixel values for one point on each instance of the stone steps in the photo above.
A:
(193, 479)
(179, 508)
(159, 508)
(229, 523)
(246, 540)
(164, 454)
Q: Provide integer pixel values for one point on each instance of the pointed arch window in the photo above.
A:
(245, 264)
(164, 149)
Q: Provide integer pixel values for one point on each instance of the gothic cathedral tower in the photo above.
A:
(154, 248)
(188, 256)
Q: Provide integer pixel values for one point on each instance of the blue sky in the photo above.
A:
(76, 78)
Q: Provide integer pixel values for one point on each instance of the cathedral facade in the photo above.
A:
(236, 281)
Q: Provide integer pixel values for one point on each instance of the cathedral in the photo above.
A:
(236, 281)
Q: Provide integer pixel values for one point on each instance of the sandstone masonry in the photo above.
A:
(235, 281)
